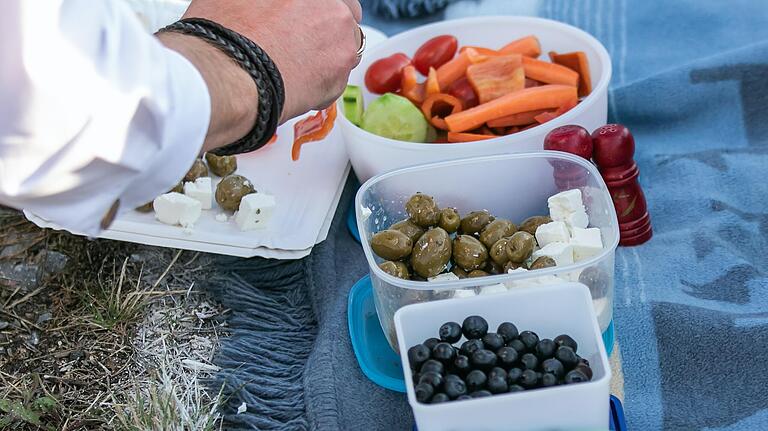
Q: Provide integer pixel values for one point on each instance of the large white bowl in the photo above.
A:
(372, 155)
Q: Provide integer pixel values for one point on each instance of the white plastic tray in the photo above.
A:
(307, 191)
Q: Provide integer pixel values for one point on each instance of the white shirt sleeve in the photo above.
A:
(92, 109)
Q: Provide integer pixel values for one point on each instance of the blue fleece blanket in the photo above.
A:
(691, 82)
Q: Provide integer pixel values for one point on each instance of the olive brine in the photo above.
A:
(491, 363)
(435, 241)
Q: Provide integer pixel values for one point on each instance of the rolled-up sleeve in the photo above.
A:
(93, 110)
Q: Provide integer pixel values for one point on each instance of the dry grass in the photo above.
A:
(119, 339)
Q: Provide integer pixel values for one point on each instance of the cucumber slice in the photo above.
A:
(431, 134)
(395, 117)
(352, 100)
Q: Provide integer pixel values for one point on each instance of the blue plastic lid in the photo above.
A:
(374, 355)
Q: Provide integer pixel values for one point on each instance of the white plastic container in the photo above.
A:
(549, 311)
(512, 186)
(372, 155)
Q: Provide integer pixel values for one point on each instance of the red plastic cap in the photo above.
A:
(613, 146)
(570, 139)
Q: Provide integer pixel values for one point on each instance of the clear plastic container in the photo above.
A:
(581, 406)
(512, 186)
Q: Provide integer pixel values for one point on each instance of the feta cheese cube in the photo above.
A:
(578, 219)
(448, 276)
(569, 200)
(464, 293)
(200, 190)
(365, 213)
(548, 233)
(221, 218)
(493, 289)
(561, 252)
(516, 270)
(558, 213)
(255, 211)
(177, 209)
(586, 243)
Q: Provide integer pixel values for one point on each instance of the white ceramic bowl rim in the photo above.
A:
(605, 76)
(493, 279)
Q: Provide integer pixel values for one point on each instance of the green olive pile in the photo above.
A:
(433, 241)
(230, 190)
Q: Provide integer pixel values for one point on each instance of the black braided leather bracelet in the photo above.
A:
(259, 66)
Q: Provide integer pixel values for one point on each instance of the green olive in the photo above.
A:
(520, 246)
(497, 230)
(221, 165)
(431, 253)
(511, 266)
(423, 210)
(498, 251)
(543, 262)
(409, 228)
(391, 244)
(458, 272)
(147, 207)
(532, 223)
(197, 170)
(493, 268)
(475, 221)
(469, 253)
(477, 273)
(449, 220)
(230, 191)
(396, 269)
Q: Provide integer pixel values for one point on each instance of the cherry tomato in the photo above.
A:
(462, 90)
(385, 74)
(434, 53)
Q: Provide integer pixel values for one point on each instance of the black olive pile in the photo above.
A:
(490, 363)
(432, 241)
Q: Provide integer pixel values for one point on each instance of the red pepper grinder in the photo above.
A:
(614, 151)
(569, 139)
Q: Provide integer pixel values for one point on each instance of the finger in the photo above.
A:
(355, 8)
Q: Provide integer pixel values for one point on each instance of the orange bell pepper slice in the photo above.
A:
(496, 77)
(410, 87)
(313, 128)
(272, 140)
(578, 62)
(442, 101)
(432, 84)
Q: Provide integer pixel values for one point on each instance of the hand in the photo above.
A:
(312, 42)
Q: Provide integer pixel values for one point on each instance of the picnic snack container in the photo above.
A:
(568, 310)
(372, 155)
(513, 186)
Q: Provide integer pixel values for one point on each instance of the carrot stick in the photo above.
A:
(453, 70)
(529, 46)
(549, 73)
(467, 137)
(433, 86)
(431, 102)
(546, 96)
(410, 88)
(482, 51)
(549, 116)
(521, 119)
(576, 61)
